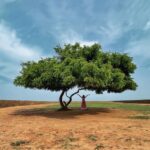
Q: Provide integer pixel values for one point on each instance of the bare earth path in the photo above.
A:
(27, 127)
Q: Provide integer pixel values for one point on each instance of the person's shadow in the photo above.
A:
(54, 113)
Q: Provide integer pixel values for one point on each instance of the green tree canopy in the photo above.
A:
(85, 67)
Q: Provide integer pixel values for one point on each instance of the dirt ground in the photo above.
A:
(30, 127)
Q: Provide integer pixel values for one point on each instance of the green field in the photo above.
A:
(114, 105)
(90, 104)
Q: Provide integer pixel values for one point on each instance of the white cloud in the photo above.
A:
(12, 46)
(15, 51)
(10, 70)
(147, 26)
(70, 36)
(110, 32)
(139, 48)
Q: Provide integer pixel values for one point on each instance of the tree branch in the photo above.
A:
(77, 92)
(70, 97)
(67, 94)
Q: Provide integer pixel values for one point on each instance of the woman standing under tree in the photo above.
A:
(83, 104)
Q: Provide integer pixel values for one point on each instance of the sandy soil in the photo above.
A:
(30, 127)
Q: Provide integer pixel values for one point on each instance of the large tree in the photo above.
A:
(84, 67)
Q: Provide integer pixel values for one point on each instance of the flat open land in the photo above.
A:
(10, 103)
(105, 125)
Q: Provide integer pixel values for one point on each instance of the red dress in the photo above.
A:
(83, 104)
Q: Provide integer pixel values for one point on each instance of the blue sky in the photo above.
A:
(30, 30)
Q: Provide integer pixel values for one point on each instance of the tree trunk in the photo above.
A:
(70, 99)
(62, 103)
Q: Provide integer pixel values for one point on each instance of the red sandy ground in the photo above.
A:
(94, 129)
